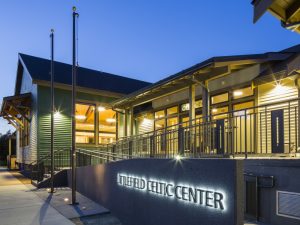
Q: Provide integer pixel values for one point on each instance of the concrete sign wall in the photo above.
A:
(164, 191)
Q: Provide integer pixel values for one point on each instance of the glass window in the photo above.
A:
(241, 93)
(145, 123)
(186, 106)
(172, 110)
(220, 111)
(107, 125)
(219, 98)
(159, 114)
(239, 108)
(172, 121)
(85, 123)
(159, 124)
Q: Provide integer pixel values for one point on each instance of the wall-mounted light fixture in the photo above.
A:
(237, 93)
(101, 109)
(80, 117)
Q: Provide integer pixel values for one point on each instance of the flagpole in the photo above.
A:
(52, 111)
(74, 76)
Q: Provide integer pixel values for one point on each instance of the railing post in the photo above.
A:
(181, 140)
(113, 152)
(130, 148)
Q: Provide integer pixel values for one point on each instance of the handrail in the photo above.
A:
(207, 122)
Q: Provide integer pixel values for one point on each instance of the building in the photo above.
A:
(29, 109)
(244, 107)
(287, 11)
(231, 105)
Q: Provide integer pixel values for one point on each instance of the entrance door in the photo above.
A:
(277, 131)
(219, 136)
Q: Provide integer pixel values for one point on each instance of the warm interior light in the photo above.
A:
(80, 117)
(214, 110)
(66, 199)
(110, 120)
(101, 109)
(237, 93)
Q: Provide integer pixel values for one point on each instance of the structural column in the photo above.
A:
(206, 118)
(97, 124)
(205, 102)
(126, 123)
(192, 96)
(131, 121)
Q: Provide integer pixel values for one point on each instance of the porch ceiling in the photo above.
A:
(16, 107)
(287, 11)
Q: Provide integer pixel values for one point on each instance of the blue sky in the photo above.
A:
(147, 40)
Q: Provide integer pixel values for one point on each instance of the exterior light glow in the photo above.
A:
(178, 157)
(66, 199)
(56, 114)
(214, 110)
(110, 120)
(101, 109)
(237, 93)
(80, 117)
(279, 89)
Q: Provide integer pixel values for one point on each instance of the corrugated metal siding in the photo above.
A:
(267, 94)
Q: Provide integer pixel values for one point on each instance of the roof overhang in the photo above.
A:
(287, 11)
(16, 107)
(200, 73)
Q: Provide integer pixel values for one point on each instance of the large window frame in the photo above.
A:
(87, 131)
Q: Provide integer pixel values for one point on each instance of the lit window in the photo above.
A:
(186, 106)
(239, 108)
(219, 98)
(159, 114)
(241, 93)
(159, 124)
(85, 123)
(220, 113)
(145, 123)
(172, 110)
(171, 122)
(107, 126)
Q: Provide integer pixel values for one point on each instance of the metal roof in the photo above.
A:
(39, 70)
(208, 69)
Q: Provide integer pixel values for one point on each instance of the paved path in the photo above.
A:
(19, 205)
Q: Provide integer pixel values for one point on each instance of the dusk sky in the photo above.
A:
(141, 39)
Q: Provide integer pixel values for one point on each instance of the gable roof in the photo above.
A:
(39, 70)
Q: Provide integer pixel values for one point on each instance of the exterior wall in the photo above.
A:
(62, 120)
(148, 205)
(287, 178)
(270, 93)
(28, 154)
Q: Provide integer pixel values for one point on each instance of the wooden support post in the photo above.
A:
(192, 116)
(131, 121)
(126, 123)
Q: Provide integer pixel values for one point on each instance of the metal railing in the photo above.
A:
(41, 168)
(264, 130)
(258, 131)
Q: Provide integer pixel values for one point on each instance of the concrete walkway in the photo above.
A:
(19, 205)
